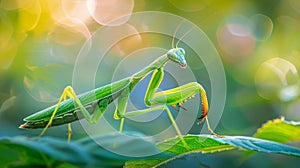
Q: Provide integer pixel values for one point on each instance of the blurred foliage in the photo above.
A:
(258, 42)
(52, 152)
(279, 130)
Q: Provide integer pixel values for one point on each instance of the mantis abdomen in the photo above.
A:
(72, 115)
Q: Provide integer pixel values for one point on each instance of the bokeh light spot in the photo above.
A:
(129, 44)
(68, 31)
(277, 79)
(107, 12)
(76, 9)
(29, 15)
(262, 26)
(236, 39)
(126, 45)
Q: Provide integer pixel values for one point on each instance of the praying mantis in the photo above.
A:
(93, 104)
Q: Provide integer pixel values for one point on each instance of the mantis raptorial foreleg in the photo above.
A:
(176, 95)
(69, 92)
(185, 92)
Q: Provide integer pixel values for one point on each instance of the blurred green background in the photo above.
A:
(258, 42)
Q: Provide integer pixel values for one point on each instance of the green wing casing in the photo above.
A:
(86, 98)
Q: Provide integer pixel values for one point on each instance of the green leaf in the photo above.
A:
(49, 152)
(144, 163)
(279, 130)
(210, 144)
(195, 143)
(260, 145)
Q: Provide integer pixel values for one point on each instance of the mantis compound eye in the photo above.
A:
(177, 55)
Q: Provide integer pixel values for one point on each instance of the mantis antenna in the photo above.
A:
(185, 35)
(175, 33)
(187, 31)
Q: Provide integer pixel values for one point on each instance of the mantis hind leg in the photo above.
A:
(69, 92)
(69, 132)
(64, 95)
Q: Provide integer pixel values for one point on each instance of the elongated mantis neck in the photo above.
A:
(156, 64)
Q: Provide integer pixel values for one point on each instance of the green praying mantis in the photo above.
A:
(66, 110)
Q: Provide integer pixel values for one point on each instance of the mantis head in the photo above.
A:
(177, 55)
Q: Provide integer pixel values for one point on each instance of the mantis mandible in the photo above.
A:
(65, 111)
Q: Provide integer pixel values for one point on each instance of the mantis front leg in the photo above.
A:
(176, 95)
(69, 92)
